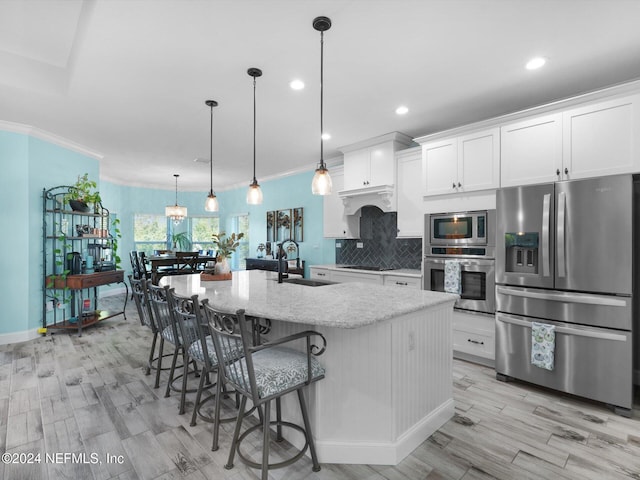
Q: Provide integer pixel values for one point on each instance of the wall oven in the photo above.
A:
(467, 238)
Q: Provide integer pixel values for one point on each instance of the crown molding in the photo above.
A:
(49, 137)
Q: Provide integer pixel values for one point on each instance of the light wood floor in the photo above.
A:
(64, 393)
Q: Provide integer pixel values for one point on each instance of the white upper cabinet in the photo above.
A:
(531, 150)
(372, 163)
(602, 138)
(410, 204)
(369, 167)
(335, 223)
(591, 140)
(465, 163)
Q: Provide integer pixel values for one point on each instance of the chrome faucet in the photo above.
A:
(281, 253)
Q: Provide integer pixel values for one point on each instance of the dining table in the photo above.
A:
(168, 264)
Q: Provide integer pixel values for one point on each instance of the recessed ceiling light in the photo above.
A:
(326, 136)
(296, 84)
(536, 63)
(401, 110)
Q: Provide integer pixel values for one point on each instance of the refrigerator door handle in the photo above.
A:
(560, 231)
(566, 330)
(566, 297)
(546, 207)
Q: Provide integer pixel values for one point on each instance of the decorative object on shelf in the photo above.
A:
(254, 194)
(211, 204)
(82, 194)
(261, 248)
(176, 212)
(225, 247)
(321, 183)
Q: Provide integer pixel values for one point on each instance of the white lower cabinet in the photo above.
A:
(402, 281)
(344, 277)
(320, 273)
(474, 334)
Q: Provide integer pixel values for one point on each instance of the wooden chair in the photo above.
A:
(265, 372)
(187, 262)
(135, 264)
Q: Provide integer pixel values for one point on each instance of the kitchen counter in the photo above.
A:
(388, 383)
(341, 305)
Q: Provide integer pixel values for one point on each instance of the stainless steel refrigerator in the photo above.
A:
(565, 257)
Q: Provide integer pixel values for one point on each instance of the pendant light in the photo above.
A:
(176, 212)
(211, 204)
(321, 184)
(254, 194)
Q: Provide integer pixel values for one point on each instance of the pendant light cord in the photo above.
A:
(321, 98)
(254, 130)
(176, 189)
(211, 154)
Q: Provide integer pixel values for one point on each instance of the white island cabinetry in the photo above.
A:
(388, 381)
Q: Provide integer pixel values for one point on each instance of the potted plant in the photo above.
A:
(83, 193)
(181, 241)
(225, 247)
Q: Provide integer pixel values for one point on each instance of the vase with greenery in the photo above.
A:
(181, 242)
(225, 247)
(82, 194)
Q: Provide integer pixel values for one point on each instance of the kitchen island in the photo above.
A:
(388, 362)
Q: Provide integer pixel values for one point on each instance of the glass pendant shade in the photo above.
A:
(254, 194)
(211, 203)
(321, 183)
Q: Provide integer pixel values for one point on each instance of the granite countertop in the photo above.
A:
(341, 305)
(405, 272)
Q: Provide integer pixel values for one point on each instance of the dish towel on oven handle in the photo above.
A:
(543, 345)
(452, 277)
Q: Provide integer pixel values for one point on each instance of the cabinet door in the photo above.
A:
(602, 139)
(381, 165)
(440, 167)
(531, 151)
(344, 277)
(402, 281)
(479, 160)
(410, 205)
(356, 169)
(335, 223)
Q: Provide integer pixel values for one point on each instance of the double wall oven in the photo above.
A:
(469, 239)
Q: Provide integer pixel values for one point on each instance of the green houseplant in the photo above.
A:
(225, 247)
(181, 241)
(83, 193)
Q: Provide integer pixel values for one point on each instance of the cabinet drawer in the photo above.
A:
(473, 343)
(402, 281)
(320, 274)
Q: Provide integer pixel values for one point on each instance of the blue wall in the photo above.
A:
(30, 164)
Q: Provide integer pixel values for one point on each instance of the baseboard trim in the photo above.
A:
(390, 453)
(18, 337)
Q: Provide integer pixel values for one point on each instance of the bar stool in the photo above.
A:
(141, 298)
(264, 373)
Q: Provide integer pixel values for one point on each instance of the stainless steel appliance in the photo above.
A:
(564, 257)
(469, 239)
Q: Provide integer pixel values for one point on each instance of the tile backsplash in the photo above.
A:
(380, 247)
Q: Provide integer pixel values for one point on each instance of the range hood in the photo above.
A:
(381, 196)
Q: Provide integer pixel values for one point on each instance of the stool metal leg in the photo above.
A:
(236, 434)
(216, 415)
(157, 384)
(266, 440)
(279, 437)
(308, 433)
(203, 378)
(171, 372)
(153, 349)
(183, 391)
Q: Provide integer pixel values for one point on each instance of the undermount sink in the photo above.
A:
(307, 281)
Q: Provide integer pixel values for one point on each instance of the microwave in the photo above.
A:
(462, 228)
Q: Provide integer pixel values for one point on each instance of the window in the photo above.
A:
(240, 224)
(149, 232)
(201, 230)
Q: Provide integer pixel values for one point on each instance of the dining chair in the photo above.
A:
(142, 266)
(265, 372)
(187, 262)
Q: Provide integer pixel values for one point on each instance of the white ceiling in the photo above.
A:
(129, 78)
